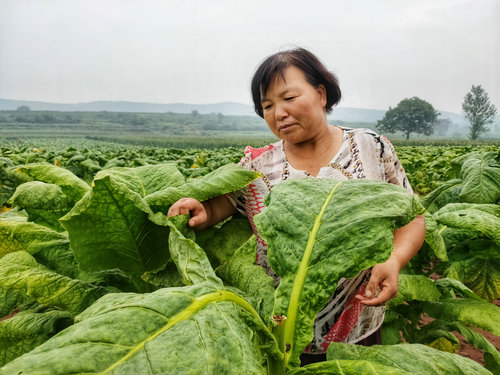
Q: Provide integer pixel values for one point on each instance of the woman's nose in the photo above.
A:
(280, 112)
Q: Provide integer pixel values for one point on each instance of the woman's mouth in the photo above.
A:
(286, 126)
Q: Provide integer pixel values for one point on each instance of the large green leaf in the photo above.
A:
(491, 355)
(17, 234)
(448, 192)
(490, 209)
(348, 367)
(454, 237)
(415, 287)
(437, 336)
(241, 272)
(109, 228)
(188, 330)
(28, 329)
(458, 161)
(110, 279)
(478, 247)
(165, 277)
(319, 230)
(476, 313)
(221, 181)
(394, 324)
(20, 271)
(447, 285)
(190, 259)
(479, 274)
(412, 358)
(45, 203)
(13, 301)
(73, 187)
(147, 179)
(481, 176)
(221, 241)
(480, 218)
(14, 214)
(49, 247)
(433, 237)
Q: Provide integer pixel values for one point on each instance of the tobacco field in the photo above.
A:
(95, 279)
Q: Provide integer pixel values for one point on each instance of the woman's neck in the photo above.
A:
(318, 145)
(316, 152)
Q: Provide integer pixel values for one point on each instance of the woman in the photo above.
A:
(293, 92)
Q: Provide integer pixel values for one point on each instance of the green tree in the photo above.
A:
(23, 108)
(478, 110)
(409, 116)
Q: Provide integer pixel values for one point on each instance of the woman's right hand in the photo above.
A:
(190, 206)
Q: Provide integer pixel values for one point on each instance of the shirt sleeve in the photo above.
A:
(394, 172)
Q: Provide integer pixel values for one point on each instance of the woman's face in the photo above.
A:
(294, 109)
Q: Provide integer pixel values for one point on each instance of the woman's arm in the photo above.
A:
(203, 214)
(383, 284)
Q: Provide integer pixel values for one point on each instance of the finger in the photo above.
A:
(384, 296)
(388, 291)
(184, 210)
(173, 211)
(373, 285)
(198, 214)
(198, 218)
(197, 209)
(182, 207)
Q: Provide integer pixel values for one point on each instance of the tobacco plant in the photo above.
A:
(113, 286)
(463, 247)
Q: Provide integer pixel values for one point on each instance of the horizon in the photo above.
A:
(194, 104)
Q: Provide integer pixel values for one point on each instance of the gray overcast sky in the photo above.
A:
(201, 51)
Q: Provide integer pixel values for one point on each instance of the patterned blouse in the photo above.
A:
(363, 154)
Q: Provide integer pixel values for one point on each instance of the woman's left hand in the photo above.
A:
(383, 284)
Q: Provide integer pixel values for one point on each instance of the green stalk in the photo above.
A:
(298, 284)
(277, 367)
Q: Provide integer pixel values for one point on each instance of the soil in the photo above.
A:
(467, 350)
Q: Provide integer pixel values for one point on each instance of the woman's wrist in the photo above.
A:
(398, 259)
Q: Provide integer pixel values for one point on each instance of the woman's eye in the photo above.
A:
(268, 106)
(289, 98)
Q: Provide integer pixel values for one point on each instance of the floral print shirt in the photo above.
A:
(363, 154)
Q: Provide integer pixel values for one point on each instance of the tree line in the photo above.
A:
(24, 115)
(415, 115)
(159, 123)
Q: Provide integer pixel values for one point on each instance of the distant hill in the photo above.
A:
(346, 114)
(226, 108)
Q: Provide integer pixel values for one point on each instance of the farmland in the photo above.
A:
(427, 164)
(88, 256)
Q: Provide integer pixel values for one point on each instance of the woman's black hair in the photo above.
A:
(275, 65)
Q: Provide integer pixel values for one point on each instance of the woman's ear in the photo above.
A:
(322, 94)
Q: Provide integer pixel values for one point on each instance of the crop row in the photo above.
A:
(427, 167)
